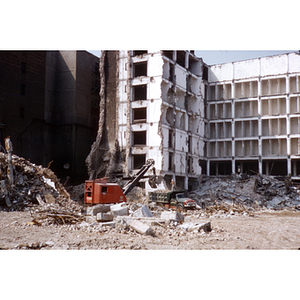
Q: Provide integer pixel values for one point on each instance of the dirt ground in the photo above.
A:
(264, 229)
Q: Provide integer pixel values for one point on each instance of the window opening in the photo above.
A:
(140, 69)
(140, 92)
(181, 58)
(205, 73)
(138, 160)
(170, 138)
(23, 67)
(168, 54)
(139, 138)
(139, 115)
(140, 52)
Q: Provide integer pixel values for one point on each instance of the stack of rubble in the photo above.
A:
(36, 189)
(256, 192)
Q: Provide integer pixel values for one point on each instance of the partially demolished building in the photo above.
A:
(191, 118)
(197, 119)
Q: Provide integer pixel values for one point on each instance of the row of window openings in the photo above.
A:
(270, 127)
(269, 107)
(140, 139)
(250, 89)
(179, 60)
(250, 148)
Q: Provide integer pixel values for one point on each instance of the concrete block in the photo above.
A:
(104, 217)
(111, 224)
(141, 227)
(172, 216)
(144, 211)
(192, 226)
(119, 210)
(95, 209)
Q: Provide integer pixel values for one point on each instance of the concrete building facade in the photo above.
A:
(161, 113)
(253, 116)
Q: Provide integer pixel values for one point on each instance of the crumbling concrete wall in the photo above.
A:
(104, 157)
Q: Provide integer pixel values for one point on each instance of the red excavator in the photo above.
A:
(99, 191)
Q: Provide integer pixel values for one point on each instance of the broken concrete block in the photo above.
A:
(192, 226)
(95, 209)
(141, 227)
(119, 210)
(144, 211)
(172, 216)
(104, 217)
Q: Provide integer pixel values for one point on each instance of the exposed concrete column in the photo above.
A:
(259, 121)
(186, 60)
(289, 166)
(186, 182)
(128, 92)
(207, 167)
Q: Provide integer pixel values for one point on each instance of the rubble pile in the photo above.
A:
(33, 186)
(259, 191)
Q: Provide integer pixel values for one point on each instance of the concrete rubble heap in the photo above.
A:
(244, 192)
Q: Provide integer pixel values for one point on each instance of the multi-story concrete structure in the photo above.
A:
(196, 119)
(253, 116)
(161, 113)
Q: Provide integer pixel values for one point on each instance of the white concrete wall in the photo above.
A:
(264, 66)
(180, 76)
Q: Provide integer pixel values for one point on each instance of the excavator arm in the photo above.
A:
(140, 174)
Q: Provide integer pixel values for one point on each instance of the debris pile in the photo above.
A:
(259, 191)
(32, 187)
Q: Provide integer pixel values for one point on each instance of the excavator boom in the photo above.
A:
(136, 178)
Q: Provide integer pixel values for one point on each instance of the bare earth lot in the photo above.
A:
(265, 229)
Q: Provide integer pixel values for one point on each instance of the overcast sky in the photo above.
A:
(212, 57)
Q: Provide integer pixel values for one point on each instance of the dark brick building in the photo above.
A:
(49, 106)
(22, 102)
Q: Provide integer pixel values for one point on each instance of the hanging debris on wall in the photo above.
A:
(104, 159)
